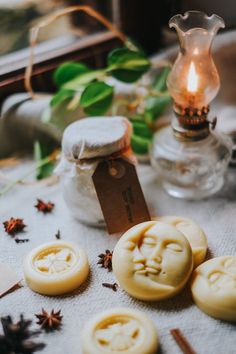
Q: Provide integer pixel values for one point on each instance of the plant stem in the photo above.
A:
(159, 93)
(116, 105)
(41, 163)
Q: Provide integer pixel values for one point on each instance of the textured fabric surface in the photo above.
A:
(216, 216)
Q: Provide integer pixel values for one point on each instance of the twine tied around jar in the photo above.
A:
(124, 153)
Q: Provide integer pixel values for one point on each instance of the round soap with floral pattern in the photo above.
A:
(55, 268)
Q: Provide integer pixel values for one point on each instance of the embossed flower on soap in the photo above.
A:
(119, 336)
(54, 261)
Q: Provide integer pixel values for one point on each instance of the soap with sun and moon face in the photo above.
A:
(120, 330)
(213, 287)
(152, 261)
(55, 268)
(193, 232)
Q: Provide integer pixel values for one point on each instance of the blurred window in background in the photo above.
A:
(80, 37)
(224, 8)
(145, 21)
(71, 37)
(18, 16)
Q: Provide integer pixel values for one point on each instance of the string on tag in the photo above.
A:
(34, 32)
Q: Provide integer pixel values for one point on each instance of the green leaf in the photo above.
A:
(139, 144)
(83, 79)
(68, 71)
(140, 128)
(156, 105)
(96, 98)
(136, 117)
(142, 136)
(61, 95)
(40, 152)
(125, 58)
(126, 65)
(159, 83)
(133, 45)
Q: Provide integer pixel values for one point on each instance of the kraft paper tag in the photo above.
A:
(120, 195)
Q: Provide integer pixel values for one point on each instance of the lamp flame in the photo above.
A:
(192, 79)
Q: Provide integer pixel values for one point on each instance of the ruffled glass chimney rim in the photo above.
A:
(196, 19)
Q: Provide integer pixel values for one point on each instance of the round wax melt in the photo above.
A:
(214, 287)
(152, 261)
(194, 234)
(55, 268)
(123, 331)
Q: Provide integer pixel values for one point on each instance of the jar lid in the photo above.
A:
(96, 137)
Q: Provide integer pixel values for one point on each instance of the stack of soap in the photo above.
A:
(153, 261)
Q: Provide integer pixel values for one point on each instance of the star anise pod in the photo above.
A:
(14, 225)
(49, 321)
(16, 337)
(106, 260)
(44, 207)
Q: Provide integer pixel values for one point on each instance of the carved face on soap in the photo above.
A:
(223, 275)
(213, 287)
(193, 232)
(153, 256)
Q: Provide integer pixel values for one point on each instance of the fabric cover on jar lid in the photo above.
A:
(96, 137)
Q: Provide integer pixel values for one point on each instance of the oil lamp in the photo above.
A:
(190, 158)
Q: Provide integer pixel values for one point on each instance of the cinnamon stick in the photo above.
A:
(182, 341)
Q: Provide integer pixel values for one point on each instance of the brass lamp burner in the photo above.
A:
(192, 123)
(192, 118)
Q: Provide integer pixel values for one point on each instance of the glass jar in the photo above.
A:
(84, 144)
(190, 169)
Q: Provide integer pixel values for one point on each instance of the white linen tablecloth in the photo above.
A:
(217, 216)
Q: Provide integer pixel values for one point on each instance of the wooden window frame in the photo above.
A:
(91, 49)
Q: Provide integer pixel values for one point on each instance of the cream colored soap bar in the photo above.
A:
(55, 268)
(194, 234)
(152, 261)
(214, 287)
(120, 331)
